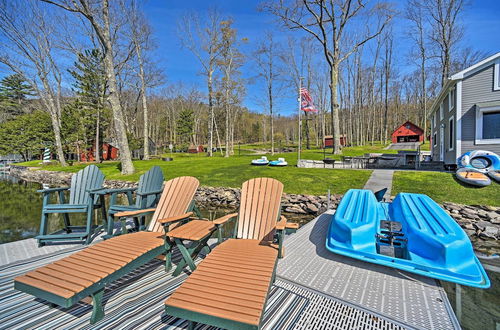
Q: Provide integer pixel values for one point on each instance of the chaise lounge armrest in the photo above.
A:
(175, 218)
(134, 213)
(224, 219)
(49, 190)
(283, 224)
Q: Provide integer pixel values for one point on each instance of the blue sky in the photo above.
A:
(481, 18)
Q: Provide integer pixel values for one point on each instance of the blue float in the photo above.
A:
(413, 233)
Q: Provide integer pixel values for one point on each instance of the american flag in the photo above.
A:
(306, 102)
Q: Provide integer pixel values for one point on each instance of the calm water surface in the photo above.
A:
(20, 209)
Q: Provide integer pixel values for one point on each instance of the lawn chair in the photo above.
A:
(230, 286)
(82, 199)
(147, 194)
(87, 272)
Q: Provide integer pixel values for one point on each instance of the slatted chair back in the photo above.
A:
(176, 199)
(86, 179)
(259, 208)
(150, 181)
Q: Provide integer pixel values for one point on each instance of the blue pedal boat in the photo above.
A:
(413, 233)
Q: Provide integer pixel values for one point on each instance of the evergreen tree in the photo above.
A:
(185, 125)
(13, 92)
(91, 87)
(26, 134)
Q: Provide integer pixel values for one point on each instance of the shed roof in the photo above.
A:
(421, 131)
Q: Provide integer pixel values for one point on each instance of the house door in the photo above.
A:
(441, 142)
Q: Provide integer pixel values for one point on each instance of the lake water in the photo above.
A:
(20, 209)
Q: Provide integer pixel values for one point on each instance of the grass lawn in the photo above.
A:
(443, 187)
(232, 172)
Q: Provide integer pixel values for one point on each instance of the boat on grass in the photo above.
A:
(473, 177)
(279, 162)
(262, 161)
(413, 233)
(481, 160)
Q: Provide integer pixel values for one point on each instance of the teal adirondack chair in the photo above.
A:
(82, 199)
(147, 193)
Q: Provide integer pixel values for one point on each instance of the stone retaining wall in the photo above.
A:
(481, 222)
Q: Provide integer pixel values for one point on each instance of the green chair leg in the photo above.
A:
(168, 260)
(186, 254)
(97, 309)
(190, 253)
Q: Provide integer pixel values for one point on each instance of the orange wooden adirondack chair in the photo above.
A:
(86, 273)
(229, 287)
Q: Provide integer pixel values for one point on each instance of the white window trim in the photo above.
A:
(496, 76)
(434, 139)
(451, 105)
(458, 124)
(435, 119)
(479, 125)
(441, 111)
(451, 124)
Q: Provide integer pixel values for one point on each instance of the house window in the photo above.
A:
(435, 119)
(434, 140)
(496, 77)
(433, 122)
(451, 134)
(491, 125)
(451, 100)
(441, 111)
(488, 125)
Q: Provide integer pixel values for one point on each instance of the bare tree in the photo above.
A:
(229, 62)
(265, 58)
(387, 63)
(417, 32)
(203, 40)
(97, 13)
(140, 34)
(444, 18)
(327, 21)
(29, 50)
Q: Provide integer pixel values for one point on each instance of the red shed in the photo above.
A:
(108, 152)
(328, 141)
(408, 132)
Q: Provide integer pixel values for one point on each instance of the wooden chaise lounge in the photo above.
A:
(86, 273)
(229, 288)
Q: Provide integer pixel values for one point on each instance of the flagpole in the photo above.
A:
(300, 121)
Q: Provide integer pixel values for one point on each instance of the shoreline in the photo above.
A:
(480, 222)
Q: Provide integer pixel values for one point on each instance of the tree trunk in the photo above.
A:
(114, 100)
(144, 101)
(334, 108)
(210, 115)
(271, 114)
(97, 142)
(306, 128)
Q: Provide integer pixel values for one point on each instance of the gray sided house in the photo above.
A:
(466, 113)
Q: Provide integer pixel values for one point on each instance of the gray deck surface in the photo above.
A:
(136, 302)
(315, 289)
(412, 300)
